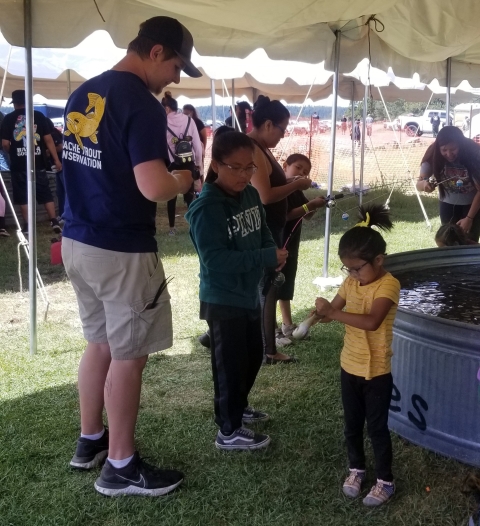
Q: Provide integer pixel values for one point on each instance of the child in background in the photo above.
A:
(234, 244)
(370, 295)
(451, 235)
(296, 166)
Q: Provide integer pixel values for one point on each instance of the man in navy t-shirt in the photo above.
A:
(14, 137)
(114, 159)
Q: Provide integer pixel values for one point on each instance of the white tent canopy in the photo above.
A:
(413, 36)
(254, 75)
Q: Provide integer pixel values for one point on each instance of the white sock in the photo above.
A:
(96, 436)
(118, 464)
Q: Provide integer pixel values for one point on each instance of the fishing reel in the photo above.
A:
(331, 201)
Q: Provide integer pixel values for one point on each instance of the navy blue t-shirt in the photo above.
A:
(112, 124)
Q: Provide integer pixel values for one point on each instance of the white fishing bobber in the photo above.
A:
(345, 216)
(459, 183)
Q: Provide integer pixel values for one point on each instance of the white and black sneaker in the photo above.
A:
(90, 453)
(55, 226)
(241, 439)
(252, 416)
(137, 478)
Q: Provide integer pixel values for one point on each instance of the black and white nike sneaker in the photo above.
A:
(90, 453)
(137, 478)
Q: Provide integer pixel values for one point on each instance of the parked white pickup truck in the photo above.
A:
(416, 125)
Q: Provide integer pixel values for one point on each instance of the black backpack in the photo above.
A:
(183, 146)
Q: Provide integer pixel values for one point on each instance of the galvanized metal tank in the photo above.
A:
(436, 368)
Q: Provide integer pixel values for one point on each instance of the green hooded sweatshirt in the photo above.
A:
(233, 243)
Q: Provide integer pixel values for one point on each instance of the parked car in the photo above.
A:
(392, 125)
(299, 128)
(416, 125)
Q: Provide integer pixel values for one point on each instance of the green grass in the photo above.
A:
(297, 481)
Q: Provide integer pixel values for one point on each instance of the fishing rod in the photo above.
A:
(330, 202)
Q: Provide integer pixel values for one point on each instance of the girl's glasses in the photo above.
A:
(283, 130)
(237, 171)
(349, 271)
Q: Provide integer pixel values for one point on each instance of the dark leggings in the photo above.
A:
(188, 197)
(453, 213)
(368, 400)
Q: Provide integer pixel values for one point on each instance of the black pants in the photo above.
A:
(237, 353)
(188, 197)
(453, 213)
(368, 400)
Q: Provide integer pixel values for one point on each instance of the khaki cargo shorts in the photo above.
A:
(115, 293)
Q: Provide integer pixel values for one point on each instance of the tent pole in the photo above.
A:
(214, 109)
(234, 126)
(364, 139)
(333, 136)
(32, 204)
(5, 75)
(449, 85)
(470, 122)
(353, 142)
(69, 83)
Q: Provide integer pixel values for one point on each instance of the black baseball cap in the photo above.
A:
(170, 33)
(18, 96)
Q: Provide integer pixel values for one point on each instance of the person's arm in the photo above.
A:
(203, 137)
(156, 183)
(422, 182)
(366, 322)
(53, 151)
(261, 181)
(6, 145)
(313, 205)
(197, 146)
(338, 303)
(466, 223)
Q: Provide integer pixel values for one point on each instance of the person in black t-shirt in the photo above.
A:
(60, 183)
(14, 142)
(298, 206)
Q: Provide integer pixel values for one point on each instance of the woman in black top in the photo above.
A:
(270, 120)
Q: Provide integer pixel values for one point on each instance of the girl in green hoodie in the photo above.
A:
(234, 244)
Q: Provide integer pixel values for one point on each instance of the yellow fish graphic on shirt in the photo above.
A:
(86, 125)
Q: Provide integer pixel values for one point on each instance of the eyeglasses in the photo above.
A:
(283, 130)
(237, 171)
(349, 271)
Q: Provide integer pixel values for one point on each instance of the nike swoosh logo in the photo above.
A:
(139, 481)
